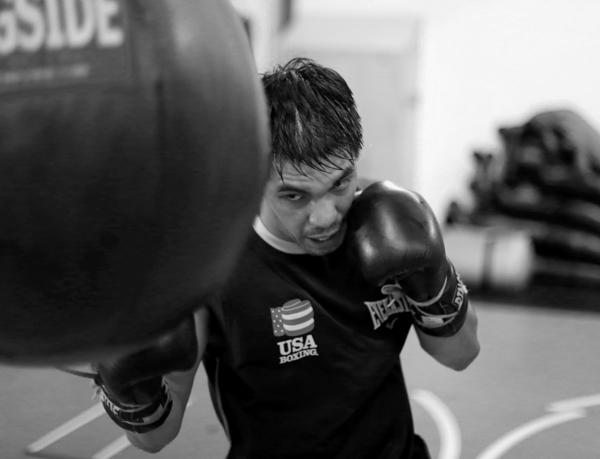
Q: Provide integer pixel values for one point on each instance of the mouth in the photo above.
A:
(324, 237)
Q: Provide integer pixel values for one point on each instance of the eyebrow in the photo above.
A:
(347, 172)
(285, 188)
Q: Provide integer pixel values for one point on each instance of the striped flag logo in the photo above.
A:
(294, 318)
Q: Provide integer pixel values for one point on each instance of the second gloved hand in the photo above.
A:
(132, 388)
(397, 240)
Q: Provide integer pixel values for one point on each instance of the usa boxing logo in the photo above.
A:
(294, 319)
(49, 41)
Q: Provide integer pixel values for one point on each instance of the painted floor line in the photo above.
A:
(575, 403)
(113, 448)
(77, 422)
(449, 431)
(122, 443)
(65, 429)
(516, 436)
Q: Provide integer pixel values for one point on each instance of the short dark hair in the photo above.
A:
(313, 116)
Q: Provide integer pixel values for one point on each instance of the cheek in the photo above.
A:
(292, 219)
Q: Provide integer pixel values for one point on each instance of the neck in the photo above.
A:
(274, 241)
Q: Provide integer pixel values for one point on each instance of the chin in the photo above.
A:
(320, 251)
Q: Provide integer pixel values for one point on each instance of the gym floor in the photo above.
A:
(534, 392)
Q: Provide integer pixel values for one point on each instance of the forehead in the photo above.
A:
(307, 176)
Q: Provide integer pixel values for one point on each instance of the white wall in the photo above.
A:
(484, 63)
(264, 17)
(378, 60)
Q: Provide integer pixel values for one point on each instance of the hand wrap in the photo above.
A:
(444, 314)
(142, 417)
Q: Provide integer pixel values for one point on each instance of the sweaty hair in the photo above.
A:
(313, 116)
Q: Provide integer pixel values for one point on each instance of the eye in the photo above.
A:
(342, 183)
(292, 197)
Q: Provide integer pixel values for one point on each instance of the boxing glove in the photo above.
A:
(132, 388)
(397, 241)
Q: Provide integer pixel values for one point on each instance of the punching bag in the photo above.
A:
(133, 152)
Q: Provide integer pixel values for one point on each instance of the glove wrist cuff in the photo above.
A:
(446, 315)
(139, 418)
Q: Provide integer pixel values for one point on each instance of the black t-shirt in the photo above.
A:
(303, 360)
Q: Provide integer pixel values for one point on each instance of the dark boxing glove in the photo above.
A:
(132, 388)
(397, 240)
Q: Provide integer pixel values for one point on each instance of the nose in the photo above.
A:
(324, 213)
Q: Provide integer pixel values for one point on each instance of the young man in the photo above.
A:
(301, 346)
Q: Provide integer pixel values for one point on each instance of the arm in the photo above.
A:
(180, 385)
(456, 351)
(146, 393)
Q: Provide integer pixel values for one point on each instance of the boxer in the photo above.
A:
(301, 344)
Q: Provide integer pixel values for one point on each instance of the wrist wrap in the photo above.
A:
(445, 314)
(140, 418)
